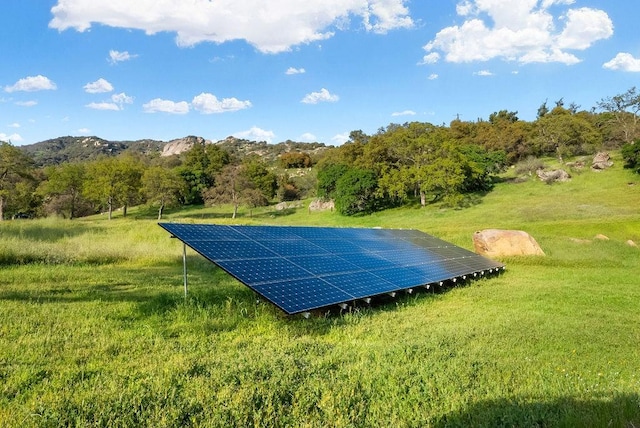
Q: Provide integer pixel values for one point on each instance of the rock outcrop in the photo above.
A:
(601, 161)
(181, 145)
(322, 205)
(499, 243)
(554, 175)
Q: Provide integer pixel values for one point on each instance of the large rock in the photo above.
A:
(554, 175)
(181, 145)
(497, 243)
(322, 205)
(601, 161)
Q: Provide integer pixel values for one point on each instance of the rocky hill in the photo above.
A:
(82, 149)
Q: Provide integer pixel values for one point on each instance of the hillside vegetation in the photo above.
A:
(95, 330)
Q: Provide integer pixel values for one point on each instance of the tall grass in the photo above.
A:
(95, 331)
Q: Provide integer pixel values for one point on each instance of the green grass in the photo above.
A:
(94, 329)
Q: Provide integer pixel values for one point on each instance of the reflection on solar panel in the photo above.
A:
(300, 269)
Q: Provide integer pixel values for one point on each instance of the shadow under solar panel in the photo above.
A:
(301, 269)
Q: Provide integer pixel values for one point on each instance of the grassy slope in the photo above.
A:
(95, 331)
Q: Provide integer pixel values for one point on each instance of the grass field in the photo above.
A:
(95, 331)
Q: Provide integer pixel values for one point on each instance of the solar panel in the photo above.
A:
(300, 269)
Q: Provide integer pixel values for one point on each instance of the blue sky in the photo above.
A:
(312, 70)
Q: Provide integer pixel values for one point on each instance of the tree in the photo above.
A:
(563, 133)
(234, 187)
(15, 167)
(328, 177)
(162, 187)
(112, 181)
(631, 156)
(131, 171)
(624, 112)
(295, 160)
(261, 178)
(65, 183)
(356, 192)
(200, 166)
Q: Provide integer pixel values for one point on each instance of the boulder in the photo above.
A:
(282, 206)
(497, 243)
(632, 243)
(601, 237)
(601, 161)
(322, 205)
(554, 175)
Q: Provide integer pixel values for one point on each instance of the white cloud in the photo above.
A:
(430, 58)
(117, 56)
(292, 70)
(26, 103)
(340, 138)
(624, 62)
(98, 87)
(433, 76)
(32, 84)
(322, 96)
(403, 113)
(483, 73)
(14, 138)
(84, 131)
(270, 26)
(121, 99)
(524, 31)
(256, 134)
(103, 106)
(158, 105)
(584, 27)
(208, 103)
(307, 136)
(117, 103)
(14, 125)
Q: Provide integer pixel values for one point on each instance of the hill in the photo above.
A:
(80, 149)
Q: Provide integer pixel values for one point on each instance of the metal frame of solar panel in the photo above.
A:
(301, 269)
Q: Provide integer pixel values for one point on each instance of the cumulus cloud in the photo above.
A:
(158, 105)
(322, 96)
(256, 134)
(14, 125)
(103, 106)
(99, 86)
(32, 84)
(84, 131)
(307, 136)
(26, 103)
(208, 104)
(117, 103)
(525, 31)
(340, 138)
(270, 26)
(14, 138)
(116, 56)
(430, 58)
(624, 62)
(433, 76)
(292, 70)
(121, 99)
(403, 113)
(483, 73)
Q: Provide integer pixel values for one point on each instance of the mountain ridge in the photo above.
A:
(86, 148)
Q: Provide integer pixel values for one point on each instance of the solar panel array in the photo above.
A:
(300, 269)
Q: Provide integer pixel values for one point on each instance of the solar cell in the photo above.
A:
(300, 269)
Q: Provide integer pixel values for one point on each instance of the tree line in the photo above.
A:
(400, 163)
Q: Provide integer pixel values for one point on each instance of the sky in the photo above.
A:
(301, 70)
